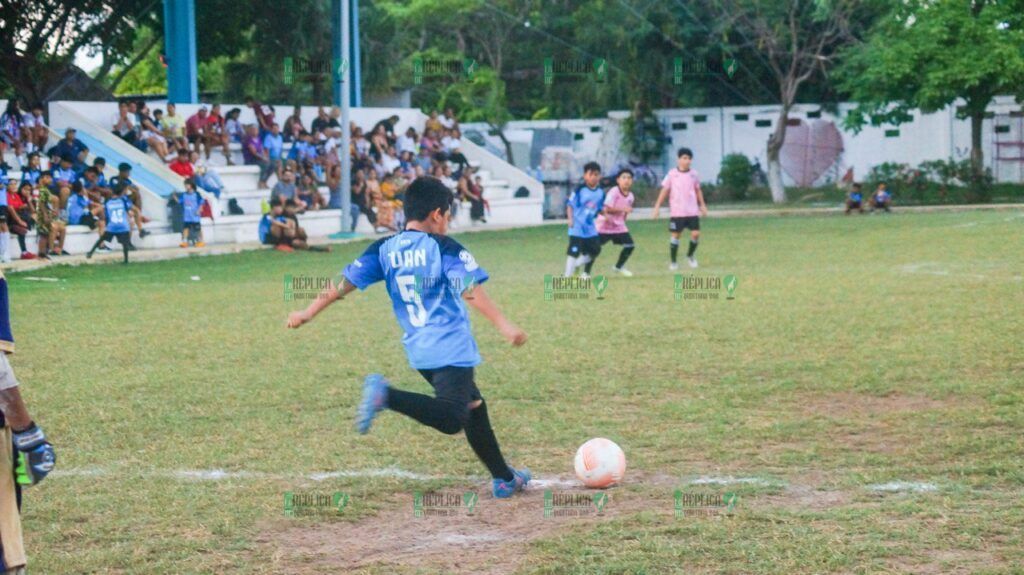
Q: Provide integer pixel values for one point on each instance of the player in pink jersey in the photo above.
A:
(686, 205)
(611, 224)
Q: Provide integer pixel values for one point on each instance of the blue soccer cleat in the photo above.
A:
(504, 489)
(375, 398)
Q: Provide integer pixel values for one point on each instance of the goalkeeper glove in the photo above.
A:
(36, 457)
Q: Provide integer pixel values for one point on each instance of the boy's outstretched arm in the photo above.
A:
(658, 202)
(329, 295)
(478, 299)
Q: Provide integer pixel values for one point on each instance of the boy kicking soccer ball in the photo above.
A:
(582, 208)
(686, 205)
(427, 276)
(611, 224)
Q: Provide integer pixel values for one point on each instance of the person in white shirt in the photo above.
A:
(408, 142)
(389, 161)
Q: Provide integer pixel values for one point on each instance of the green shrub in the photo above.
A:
(734, 177)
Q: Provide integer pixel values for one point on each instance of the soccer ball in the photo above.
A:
(600, 463)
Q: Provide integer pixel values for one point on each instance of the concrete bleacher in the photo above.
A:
(501, 181)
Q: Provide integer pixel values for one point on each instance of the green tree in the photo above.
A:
(931, 54)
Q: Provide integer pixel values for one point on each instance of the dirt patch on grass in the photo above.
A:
(490, 541)
(848, 404)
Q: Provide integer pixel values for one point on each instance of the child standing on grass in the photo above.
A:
(611, 224)
(191, 203)
(438, 340)
(582, 208)
(686, 204)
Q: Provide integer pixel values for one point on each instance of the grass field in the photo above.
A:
(858, 353)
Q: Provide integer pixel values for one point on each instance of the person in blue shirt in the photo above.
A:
(117, 211)
(881, 199)
(191, 203)
(430, 279)
(81, 209)
(32, 172)
(273, 143)
(582, 209)
(855, 200)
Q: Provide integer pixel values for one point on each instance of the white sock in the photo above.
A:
(5, 239)
(570, 266)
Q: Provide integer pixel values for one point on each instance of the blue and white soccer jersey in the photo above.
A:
(117, 211)
(191, 202)
(425, 275)
(586, 204)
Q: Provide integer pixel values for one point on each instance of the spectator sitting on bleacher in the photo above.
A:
(255, 154)
(173, 126)
(296, 233)
(433, 124)
(150, 132)
(448, 120)
(293, 125)
(12, 130)
(308, 196)
(195, 129)
(321, 122)
(181, 165)
(39, 134)
(285, 188)
(205, 177)
(70, 146)
(408, 142)
(100, 163)
(304, 152)
(49, 227)
(217, 135)
(19, 216)
(83, 210)
(63, 176)
(233, 127)
(124, 124)
(378, 142)
(30, 173)
(389, 161)
(91, 186)
(273, 228)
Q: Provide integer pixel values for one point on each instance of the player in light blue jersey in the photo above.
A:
(582, 209)
(430, 279)
(117, 211)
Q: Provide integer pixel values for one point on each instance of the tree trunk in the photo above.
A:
(504, 140)
(977, 153)
(775, 142)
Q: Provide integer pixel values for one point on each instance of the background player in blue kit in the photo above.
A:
(582, 209)
(117, 211)
(427, 275)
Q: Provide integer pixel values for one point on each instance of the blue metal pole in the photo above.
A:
(356, 97)
(180, 50)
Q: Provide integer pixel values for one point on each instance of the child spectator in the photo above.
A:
(49, 228)
(181, 165)
(233, 127)
(273, 230)
(308, 197)
(36, 124)
(854, 200)
(82, 211)
(881, 199)
(299, 240)
(19, 216)
(191, 204)
(31, 172)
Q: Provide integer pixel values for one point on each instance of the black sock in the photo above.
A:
(693, 248)
(96, 246)
(623, 256)
(124, 247)
(675, 251)
(589, 265)
(441, 414)
(485, 445)
(21, 243)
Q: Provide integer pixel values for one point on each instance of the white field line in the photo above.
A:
(897, 486)
(221, 475)
(730, 480)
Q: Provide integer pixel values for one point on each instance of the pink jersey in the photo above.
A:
(682, 192)
(614, 223)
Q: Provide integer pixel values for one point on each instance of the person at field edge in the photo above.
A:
(611, 224)
(581, 209)
(191, 204)
(686, 204)
(855, 200)
(117, 211)
(430, 278)
(26, 456)
(881, 199)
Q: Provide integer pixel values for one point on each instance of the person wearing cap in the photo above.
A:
(69, 145)
(132, 192)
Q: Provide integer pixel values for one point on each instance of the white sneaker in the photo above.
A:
(623, 271)
(692, 262)
(584, 275)
(673, 266)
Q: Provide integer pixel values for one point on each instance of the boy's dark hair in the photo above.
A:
(424, 195)
(46, 173)
(856, 186)
(290, 203)
(65, 157)
(119, 189)
(124, 167)
(592, 167)
(624, 171)
(190, 183)
(684, 152)
(76, 187)
(100, 160)
(275, 201)
(91, 170)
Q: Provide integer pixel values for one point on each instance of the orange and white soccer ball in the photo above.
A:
(600, 463)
